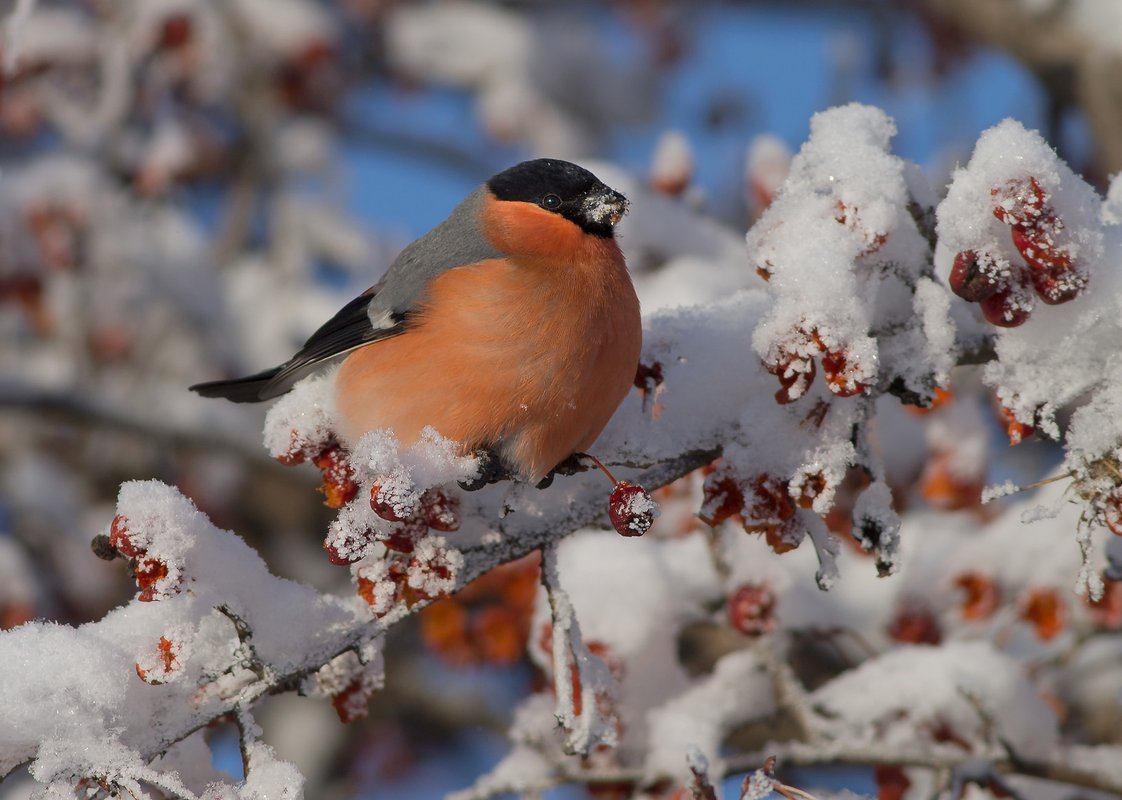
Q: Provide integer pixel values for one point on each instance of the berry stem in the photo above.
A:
(598, 463)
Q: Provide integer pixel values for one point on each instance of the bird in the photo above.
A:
(512, 328)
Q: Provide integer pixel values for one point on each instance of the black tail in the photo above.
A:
(250, 389)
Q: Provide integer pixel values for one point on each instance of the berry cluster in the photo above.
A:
(794, 365)
(133, 545)
(764, 503)
(1043, 608)
(436, 510)
(424, 575)
(1004, 291)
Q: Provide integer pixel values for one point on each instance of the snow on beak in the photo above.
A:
(608, 206)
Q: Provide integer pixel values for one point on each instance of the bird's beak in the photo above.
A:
(607, 206)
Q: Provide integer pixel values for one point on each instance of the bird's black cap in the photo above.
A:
(564, 188)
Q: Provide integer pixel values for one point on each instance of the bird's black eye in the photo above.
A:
(551, 202)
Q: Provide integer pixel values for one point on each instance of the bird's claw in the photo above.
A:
(491, 470)
(570, 466)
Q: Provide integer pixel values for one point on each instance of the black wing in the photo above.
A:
(347, 330)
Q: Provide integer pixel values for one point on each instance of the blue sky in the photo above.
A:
(772, 66)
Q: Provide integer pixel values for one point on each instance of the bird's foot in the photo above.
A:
(570, 466)
(491, 470)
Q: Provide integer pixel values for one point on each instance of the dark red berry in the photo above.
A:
(348, 548)
(631, 509)
(119, 538)
(405, 537)
(1056, 286)
(751, 609)
(441, 511)
(1007, 308)
(1020, 202)
(970, 279)
(382, 506)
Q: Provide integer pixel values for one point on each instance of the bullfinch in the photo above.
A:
(512, 327)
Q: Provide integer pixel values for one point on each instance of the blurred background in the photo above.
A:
(188, 188)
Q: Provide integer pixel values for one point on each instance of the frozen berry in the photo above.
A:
(841, 374)
(1007, 308)
(339, 486)
(120, 539)
(751, 609)
(441, 511)
(1039, 249)
(631, 509)
(382, 505)
(721, 497)
(148, 573)
(404, 538)
(973, 276)
(812, 486)
(1020, 202)
(347, 548)
(1056, 286)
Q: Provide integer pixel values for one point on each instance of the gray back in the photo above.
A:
(456, 241)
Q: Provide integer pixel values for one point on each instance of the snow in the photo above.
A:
(701, 716)
(70, 694)
(671, 163)
(901, 697)
(46, 35)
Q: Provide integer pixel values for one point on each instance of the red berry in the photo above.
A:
(148, 572)
(812, 486)
(119, 538)
(796, 374)
(767, 503)
(1046, 611)
(782, 537)
(751, 609)
(382, 505)
(1007, 308)
(973, 276)
(1057, 285)
(840, 375)
(1037, 246)
(339, 486)
(915, 624)
(175, 32)
(405, 537)
(353, 702)
(982, 595)
(721, 497)
(441, 511)
(1019, 202)
(347, 549)
(631, 509)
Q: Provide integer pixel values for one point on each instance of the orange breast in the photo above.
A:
(529, 355)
